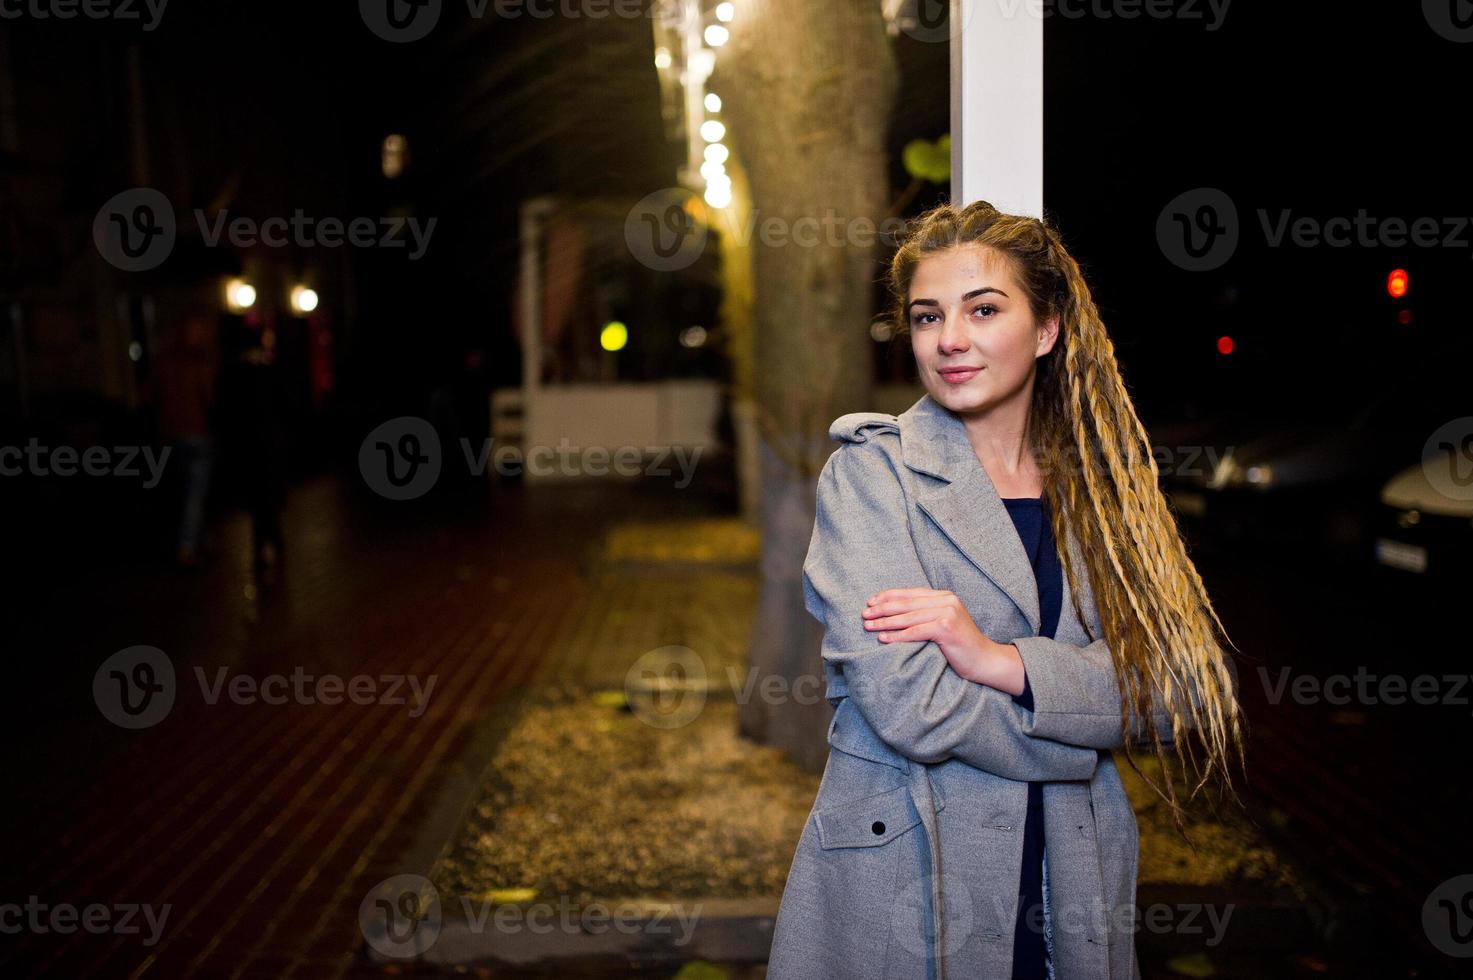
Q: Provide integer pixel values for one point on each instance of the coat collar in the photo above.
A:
(969, 510)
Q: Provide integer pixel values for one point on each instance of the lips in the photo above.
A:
(959, 375)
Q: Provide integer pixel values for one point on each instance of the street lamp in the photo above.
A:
(239, 295)
(304, 300)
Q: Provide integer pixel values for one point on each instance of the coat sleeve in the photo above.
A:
(1076, 698)
(907, 691)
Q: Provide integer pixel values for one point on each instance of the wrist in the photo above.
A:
(1000, 666)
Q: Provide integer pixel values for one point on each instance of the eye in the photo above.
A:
(985, 306)
(919, 317)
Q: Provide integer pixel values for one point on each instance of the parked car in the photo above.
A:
(1312, 483)
(1425, 526)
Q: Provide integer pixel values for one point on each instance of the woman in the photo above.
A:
(971, 821)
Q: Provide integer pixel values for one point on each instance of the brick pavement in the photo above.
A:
(263, 826)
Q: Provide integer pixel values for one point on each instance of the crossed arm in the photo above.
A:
(908, 690)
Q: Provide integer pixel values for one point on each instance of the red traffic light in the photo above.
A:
(1224, 344)
(1396, 283)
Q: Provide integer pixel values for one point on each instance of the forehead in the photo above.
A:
(961, 269)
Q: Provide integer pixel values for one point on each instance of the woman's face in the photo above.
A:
(973, 334)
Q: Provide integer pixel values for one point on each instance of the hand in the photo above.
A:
(938, 615)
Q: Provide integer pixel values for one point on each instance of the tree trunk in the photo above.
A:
(807, 89)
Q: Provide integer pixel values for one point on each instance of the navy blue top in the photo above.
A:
(1030, 516)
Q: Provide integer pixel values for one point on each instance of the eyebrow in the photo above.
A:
(965, 297)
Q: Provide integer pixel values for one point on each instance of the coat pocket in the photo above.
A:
(870, 821)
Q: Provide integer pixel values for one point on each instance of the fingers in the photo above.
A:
(904, 619)
(904, 594)
(929, 630)
(898, 600)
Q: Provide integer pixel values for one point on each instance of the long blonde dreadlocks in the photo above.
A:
(1163, 634)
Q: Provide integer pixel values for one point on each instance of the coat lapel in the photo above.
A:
(966, 505)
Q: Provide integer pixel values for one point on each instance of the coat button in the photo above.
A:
(878, 827)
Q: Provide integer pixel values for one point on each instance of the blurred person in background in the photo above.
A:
(183, 389)
(251, 404)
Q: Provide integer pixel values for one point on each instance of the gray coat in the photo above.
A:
(908, 866)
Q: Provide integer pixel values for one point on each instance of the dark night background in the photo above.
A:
(263, 108)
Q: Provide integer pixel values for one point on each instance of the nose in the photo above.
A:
(952, 336)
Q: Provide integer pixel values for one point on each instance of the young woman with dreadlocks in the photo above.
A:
(1007, 602)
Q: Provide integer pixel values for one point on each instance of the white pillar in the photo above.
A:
(997, 104)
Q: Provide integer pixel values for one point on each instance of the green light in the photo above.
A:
(614, 336)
